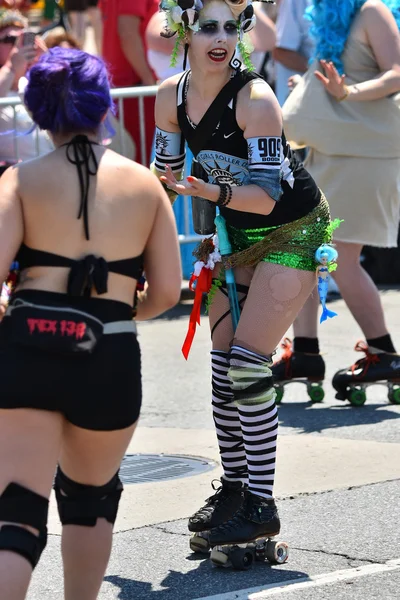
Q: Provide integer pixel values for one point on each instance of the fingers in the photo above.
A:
(331, 71)
(321, 78)
(170, 174)
(40, 44)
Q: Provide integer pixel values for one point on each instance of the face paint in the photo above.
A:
(214, 44)
(211, 28)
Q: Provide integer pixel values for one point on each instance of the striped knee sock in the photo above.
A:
(226, 419)
(251, 382)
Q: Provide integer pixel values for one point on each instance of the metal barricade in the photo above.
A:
(119, 95)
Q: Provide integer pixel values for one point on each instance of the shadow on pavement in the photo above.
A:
(202, 582)
(306, 419)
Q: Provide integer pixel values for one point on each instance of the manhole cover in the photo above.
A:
(141, 468)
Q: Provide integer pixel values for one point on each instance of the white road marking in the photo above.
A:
(292, 585)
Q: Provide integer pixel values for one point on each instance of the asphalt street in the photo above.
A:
(338, 484)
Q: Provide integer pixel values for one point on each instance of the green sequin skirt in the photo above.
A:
(291, 245)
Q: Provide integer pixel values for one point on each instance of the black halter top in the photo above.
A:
(91, 271)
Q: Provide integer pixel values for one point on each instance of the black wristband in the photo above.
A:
(225, 195)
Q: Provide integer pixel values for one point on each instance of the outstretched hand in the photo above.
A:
(191, 186)
(332, 80)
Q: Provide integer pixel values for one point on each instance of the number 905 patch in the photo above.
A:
(264, 151)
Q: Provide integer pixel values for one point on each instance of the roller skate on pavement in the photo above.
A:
(219, 508)
(248, 536)
(373, 368)
(301, 368)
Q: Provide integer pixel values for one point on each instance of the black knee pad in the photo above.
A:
(80, 504)
(22, 506)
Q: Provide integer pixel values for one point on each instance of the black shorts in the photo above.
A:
(100, 391)
(79, 5)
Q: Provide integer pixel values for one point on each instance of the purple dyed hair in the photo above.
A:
(68, 91)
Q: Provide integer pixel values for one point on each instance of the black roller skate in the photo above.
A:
(248, 536)
(381, 368)
(299, 367)
(219, 508)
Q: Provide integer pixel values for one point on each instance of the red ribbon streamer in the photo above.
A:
(203, 286)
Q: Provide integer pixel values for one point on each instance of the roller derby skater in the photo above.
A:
(276, 218)
(360, 182)
(374, 368)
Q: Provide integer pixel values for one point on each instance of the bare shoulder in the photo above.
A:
(373, 11)
(134, 175)
(169, 84)
(258, 108)
(10, 178)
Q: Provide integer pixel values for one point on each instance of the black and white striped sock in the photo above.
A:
(254, 394)
(226, 419)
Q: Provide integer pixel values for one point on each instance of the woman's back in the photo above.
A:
(122, 204)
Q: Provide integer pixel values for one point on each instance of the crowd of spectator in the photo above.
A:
(127, 34)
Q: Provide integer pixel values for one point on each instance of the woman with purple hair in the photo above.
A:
(82, 222)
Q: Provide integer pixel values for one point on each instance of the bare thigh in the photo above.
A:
(220, 320)
(93, 457)
(348, 260)
(276, 296)
(30, 442)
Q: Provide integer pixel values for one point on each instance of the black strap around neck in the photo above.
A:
(198, 138)
(80, 153)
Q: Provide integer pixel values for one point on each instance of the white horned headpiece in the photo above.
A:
(183, 15)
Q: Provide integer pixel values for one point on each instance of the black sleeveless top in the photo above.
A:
(225, 160)
(90, 271)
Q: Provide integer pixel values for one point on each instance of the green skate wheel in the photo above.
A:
(316, 393)
(357, 397)
(394, 396)
(279, 393)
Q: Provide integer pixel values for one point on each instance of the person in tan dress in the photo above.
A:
(346, 109)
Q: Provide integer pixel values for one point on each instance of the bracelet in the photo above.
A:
(346, 93)
(225, 194)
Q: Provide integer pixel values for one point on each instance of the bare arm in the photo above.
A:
(6, 79)
(289, 36)
(132, 47)
(263, 36)
(15, 67)
(155, 41)
(291, 59)
(166, 119)
(161, 262)
(11, 220)
(383, 36)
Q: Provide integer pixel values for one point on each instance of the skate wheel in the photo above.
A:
(357, 397)
(394, 396)
(199, 543)
(277, 552)
(219, 558)
(241, 559)
(315, 392)
(279, 393)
